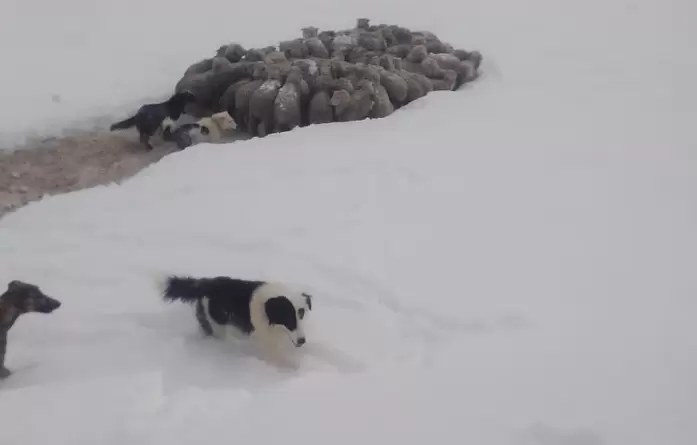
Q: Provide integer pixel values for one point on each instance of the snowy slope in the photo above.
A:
(508, 264)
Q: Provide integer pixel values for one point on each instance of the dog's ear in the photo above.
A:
(308, 300)
(14, 285)
(280, 311)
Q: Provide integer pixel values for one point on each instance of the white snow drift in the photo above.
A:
(509, 264)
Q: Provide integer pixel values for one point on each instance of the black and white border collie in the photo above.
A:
(268, 310)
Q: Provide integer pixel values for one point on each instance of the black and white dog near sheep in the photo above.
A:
(207, 129)
(155, 118)
(272, 312)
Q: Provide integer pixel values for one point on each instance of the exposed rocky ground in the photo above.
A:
(66, 164)
(60, 165)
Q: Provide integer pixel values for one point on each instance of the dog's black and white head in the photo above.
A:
(284, 311)
(27, 297)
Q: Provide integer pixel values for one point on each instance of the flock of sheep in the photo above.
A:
(328, 76)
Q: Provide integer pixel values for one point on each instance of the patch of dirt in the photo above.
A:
(60, 165)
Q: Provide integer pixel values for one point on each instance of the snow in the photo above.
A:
(509, 264)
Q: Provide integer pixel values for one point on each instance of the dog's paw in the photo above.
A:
(5, 373)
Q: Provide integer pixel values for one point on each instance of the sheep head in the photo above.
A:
(310, 32)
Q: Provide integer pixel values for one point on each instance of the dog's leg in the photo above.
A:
(145, 140)
(4, 372)
(202, 320)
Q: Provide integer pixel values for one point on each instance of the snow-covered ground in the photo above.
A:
(509, 264)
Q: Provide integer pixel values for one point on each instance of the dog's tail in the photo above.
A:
(124, 124)
(185, 289)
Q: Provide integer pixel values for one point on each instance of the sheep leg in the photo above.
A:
(280, 128)
(253, 125)
(261, 129)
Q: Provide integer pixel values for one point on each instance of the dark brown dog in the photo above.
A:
(20, 298)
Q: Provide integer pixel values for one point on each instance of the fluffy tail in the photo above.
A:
(184, 289)
(124, 124)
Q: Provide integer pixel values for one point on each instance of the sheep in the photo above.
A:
(355, 55)
(353, 106)
(402, 35)
(474, 57)
(294, 49)
(383, 106)
(362, 55)
(343, 105)
(395, 85)
(388, 36)
(327, 39)
(315, 46)
(429, 67)
(417, 54)
(309, 32)
(363, 23)
(371, 41)
(342, 84)
(258, 54)
(340, 68)
(261, 103)
(370, 72)
(233, 52)
(287, 105)
(418, 61)
(465, 69)
(199, 67)
(415, 87)
(342, 44)
(364, 98)
(318, 77)
(308, 67)
(386, 61)
(400, 50)
(208, 87)
(436, 46)
(424, 81)
(320, 109)
(227, 101)
(244, 93)
(311, 75)
(431, 42)
(447, 82)
(397, 62)
(372, 59)
(276, 57)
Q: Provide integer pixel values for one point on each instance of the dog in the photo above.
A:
(271, 311)
(20, 298)
(206, 129)
(156, 117)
